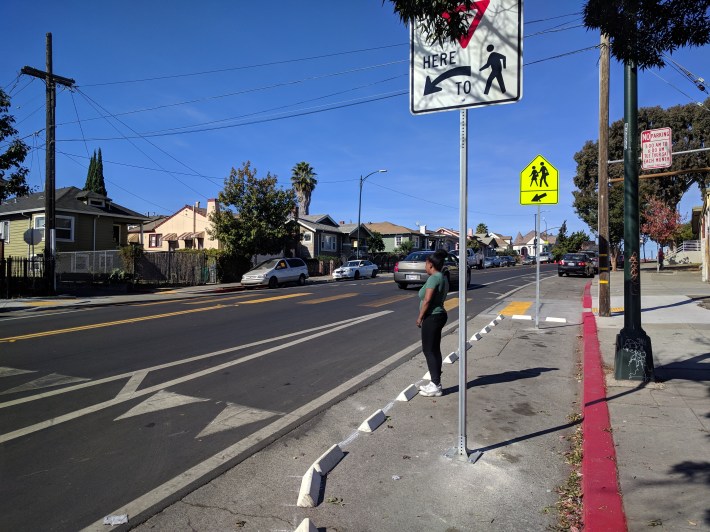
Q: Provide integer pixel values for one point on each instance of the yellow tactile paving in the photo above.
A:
(612, 309)
(516, 308)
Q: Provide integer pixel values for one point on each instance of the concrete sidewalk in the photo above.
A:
(661, 430)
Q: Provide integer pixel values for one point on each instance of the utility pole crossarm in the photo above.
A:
(31, 71)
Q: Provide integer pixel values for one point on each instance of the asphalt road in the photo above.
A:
(100, 405)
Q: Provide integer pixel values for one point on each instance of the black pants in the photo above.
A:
(431, 344)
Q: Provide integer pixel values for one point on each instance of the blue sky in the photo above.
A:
(321, 82)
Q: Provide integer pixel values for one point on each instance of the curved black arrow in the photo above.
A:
(431, 87)
(538, 197)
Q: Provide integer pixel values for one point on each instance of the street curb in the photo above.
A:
(602, 503)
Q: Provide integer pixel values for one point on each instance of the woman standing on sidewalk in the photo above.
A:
(431, 320)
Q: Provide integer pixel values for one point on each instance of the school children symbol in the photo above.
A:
(539, 182)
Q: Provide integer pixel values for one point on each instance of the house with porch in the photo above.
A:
(84, 221)
(185, 229)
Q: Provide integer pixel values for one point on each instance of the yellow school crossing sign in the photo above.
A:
(539, 183)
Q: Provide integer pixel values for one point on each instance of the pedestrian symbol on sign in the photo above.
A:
(496, 62)
(539, 182)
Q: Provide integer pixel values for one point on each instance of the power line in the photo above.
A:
(258, 65)
(94, 104)
(247, 91)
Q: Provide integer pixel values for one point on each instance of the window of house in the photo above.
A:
(398, 240)
(306, 237)
(155, 240)
(64, 228)
(117, 233)
(328, 243)
(97, 202)
(416, 241)
(5, 231)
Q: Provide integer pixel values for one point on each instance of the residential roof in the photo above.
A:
(198, 210)
(388, 228)
(350, 229)
(70, 199)
(315, 227)
(324, 219)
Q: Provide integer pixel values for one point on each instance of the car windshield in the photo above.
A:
(575, 256)
(267, 264)
(418, 256)
(353, 263)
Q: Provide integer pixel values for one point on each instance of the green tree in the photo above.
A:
(481, 229)
(405, 248)
(683, 233)
(560, 247)
(643, 30)
(255, 214)
(13, 176)
(376, 244)
(304, 182)
(428, 14)
(95, 175)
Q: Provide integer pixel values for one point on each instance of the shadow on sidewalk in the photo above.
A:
(498, 378)
(692, 369)
(528, 436)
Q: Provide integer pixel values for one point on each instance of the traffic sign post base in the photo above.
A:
(468, 456)
(634, 356)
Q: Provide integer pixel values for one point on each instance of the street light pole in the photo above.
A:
(359, 207)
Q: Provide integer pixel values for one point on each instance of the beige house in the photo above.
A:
(186, 229)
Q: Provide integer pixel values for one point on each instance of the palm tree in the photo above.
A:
(304, 182)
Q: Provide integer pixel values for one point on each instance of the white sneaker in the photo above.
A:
(431, 390)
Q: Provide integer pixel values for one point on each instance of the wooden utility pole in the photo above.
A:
(49, 182)
(603, 210)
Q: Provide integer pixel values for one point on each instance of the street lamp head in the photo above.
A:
(382, 171)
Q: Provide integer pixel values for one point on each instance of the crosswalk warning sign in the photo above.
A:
(539, 182)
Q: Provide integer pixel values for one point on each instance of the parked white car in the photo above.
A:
(354, 269)
(545, 256)
(274, 272)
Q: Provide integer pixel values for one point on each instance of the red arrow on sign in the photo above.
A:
(480, 6)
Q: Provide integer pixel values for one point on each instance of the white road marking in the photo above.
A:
(161, 401)
(48, 381)
(146, 391)
(235, 416)
(281, 425)
(179, 362)
(133, 383)
(9, 372)
(502, 296)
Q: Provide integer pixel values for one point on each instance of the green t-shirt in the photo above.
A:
(441, 288)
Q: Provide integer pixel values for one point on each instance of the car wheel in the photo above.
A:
(403, 286)
(559, 274)
(301, 280)
(357, 275)
(374, 273)
(273, 282)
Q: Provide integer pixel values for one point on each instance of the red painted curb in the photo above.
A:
(602, 505)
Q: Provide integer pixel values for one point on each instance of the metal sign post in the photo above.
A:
(537, 268)
(462, 448)
(483, 68)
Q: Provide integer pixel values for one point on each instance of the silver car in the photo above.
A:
(274, 272)
(411, 270)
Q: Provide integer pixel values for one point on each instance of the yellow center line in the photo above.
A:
(387, 301)
(106, 324)
(326, 299)
(516, 308)
(382, 282)
(275, 298)
(215, 299)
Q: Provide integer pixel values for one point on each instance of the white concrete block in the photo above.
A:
(493, 323)
(306, 526)
(328, 460)
(476, 337)
(486, 330)
(427, 376)
(499, 318)
(407, 394)
(521, 317)
(556, 320)
(310, 488)
(372, 422)
(453, 357)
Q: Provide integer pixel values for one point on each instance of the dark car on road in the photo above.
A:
(528, 259)
(507, 260)
(576, 264)
(594, 257)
